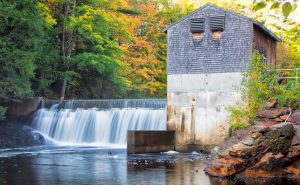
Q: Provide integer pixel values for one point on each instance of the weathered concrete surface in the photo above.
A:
(150, 141)
(24, 107)
(200, 100)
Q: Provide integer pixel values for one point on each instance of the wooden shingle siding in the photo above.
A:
(230, 53)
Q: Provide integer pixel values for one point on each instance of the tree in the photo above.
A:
(87, 37)
(285, 6)
(23, 44)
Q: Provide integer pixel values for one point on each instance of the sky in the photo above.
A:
(295, 16)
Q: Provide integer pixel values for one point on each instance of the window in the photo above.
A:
(217, 25)
(197, 28)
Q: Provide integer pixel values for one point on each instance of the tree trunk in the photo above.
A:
(62, 92)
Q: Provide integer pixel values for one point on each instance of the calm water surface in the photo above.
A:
(87, 165)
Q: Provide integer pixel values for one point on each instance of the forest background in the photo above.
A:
(110, 48)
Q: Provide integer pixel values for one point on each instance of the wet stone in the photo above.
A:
(294, 168)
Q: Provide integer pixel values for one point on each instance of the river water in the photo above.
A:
(85, 144)
(65, 165)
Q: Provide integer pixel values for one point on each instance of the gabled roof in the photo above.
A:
(255, 22)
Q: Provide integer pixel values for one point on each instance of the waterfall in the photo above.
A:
(100, 123)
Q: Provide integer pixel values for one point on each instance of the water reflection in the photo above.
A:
(55, 166)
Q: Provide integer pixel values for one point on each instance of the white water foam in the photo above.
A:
(96, 127)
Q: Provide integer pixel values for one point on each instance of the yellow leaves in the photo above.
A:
(50, 21)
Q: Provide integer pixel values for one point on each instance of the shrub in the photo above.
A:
(289, 94)
(257, 87)
(2, 112)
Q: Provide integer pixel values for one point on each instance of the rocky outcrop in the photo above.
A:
(271, 146)
(16, 134)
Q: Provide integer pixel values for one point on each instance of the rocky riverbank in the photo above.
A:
(15, 133)
(269, 147)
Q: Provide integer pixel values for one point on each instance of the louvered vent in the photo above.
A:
(217, 23)
(197, 25)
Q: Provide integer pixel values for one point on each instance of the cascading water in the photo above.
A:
(102, 126)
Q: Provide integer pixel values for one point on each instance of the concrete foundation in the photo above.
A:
(23, 108)
(150, 141)
(197, 108)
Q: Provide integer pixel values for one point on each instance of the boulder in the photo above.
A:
(243, 151)
(273, 112)
(280, 137)
(267, 122)
(294, 168)
(271, 103)
(261, 152)
(295, 117)
(284, 117)
(224, 167)
(269, 165)
(294, 150)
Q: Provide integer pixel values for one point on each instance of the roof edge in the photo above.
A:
(183, 18)
(255, 22)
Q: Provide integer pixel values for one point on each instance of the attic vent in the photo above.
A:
(197, 25)
(217, 23)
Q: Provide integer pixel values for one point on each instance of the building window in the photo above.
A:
(217, 25)
(197, 29)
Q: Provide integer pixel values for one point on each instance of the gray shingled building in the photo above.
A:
(207, 52)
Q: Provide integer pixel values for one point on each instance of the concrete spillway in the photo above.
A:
(100, 126)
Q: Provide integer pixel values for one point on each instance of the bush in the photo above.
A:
(2, 112)
(257, 88)
(289, 94)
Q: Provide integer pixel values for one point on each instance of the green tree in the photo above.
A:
(286, 7)
(87, 36)
(258, 86)
(23, 45)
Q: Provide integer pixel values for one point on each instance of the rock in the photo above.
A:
(250, 142)
(273, 112)
(261, 153)
(295, 117)
(226, 167)
(16, 135)
(280, 137)
(243, 151)
(284, 117)
(294, 150)
(266, 123)
(278, 119)
(294, 168)
(272, 103)
(269, 165)
(256, 135)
